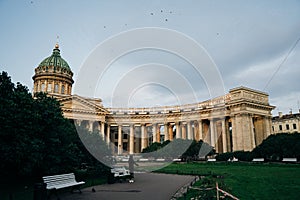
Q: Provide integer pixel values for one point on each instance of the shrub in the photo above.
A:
(243, 155)
(224, 156)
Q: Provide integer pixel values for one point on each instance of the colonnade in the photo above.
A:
(232, 133)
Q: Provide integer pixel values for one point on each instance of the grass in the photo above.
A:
(245, 180)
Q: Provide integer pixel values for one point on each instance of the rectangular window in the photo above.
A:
(62, 89)
(56, 88)
(125, 136)
(125, 146)
(43, 87)
(280, 127)
(287, 127)
(49, 87)
(116, 136)
(294, 126)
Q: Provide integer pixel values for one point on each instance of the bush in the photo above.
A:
(224, 156)
(275, 147)
(243, 155)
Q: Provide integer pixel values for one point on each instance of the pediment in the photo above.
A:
(77, 103)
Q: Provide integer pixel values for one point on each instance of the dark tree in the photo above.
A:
(275, 147)
(35, 138)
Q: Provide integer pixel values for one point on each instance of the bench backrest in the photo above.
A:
(120, 171)
(289, 160)
(59, 179)
(258, 160)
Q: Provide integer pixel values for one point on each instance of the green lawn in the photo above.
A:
(247, 181)
(244, 180)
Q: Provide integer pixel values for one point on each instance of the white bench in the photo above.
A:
(177, 160)
(120, 172)
(235, 159)
(211, 160)
(143, 159)
(289, 160)
(258, 160)
(56, 182)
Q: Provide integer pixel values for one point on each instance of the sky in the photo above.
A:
(245, 43)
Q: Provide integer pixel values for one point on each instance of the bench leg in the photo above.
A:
(76, 188)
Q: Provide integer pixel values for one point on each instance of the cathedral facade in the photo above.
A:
(239, 120)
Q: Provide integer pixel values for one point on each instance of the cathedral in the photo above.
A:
(239, 120)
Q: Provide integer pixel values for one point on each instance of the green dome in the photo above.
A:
(55, 60)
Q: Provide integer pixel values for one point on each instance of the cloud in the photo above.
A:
(287, 102)
(155, 69)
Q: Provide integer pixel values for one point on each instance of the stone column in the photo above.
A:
(90, 125)
(189, 130)
(200, 130)
(102, 130)
(143, 136)
(248, 133)
(206, 131)
(108, 134)
(170, 131)
(131, 139)
(245, 132)
(137, 139)
(59, 86)
(236, 130)
(243, 136)
(196, 130)
(78, 122)
(53, 85)
(46, 86)
(183, 131)
(229, 135)
(166, 132)
(259, 130)
(146, 136)
(234, 133)
(212, 133)
(98, 127)
(218, 132)
(252, 132)
(120, 140)
(267, 122)
(158, 134)
(178, 130)
(224, 136)
(154, 132)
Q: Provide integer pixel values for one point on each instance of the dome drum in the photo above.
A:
(53, 75)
